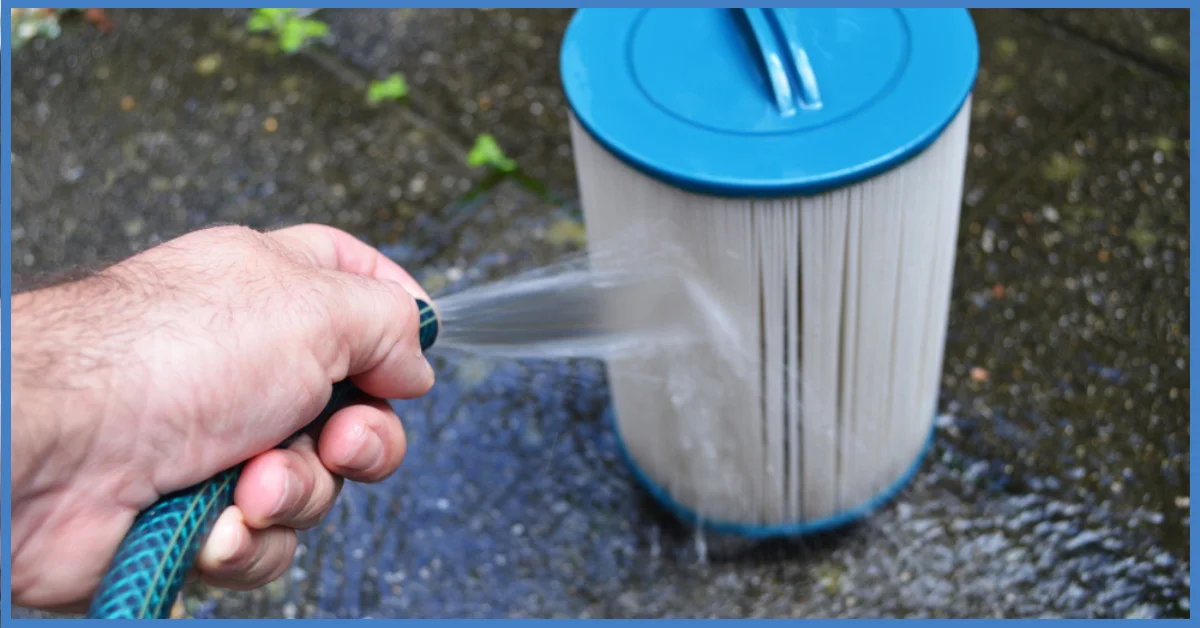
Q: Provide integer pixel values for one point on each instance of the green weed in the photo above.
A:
(487, 152)
(393, 87)
(291, 29)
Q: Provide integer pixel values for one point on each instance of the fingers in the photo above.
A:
(297, 486)
(287, 487)
(239, 557)
(279, 492)
(364, 443)
(375, 314)
(284, 490)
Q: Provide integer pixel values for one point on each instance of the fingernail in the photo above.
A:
(289, 491)
(367, 455)
(225, 543)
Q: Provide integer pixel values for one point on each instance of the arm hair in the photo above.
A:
(67, 339)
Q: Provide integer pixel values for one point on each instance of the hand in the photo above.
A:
(189, 358)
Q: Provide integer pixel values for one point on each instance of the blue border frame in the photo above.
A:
(6, 196)
(6, 299)
(1192, 326)
(544, 4)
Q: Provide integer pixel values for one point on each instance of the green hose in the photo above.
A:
(150, 565)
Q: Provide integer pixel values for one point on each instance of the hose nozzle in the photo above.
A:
(429, 325)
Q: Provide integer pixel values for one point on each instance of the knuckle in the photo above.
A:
(312, 514)
(389, 293)
(320, 500)
(274, 554)
(280, 553)
(231, 238)
(239, 232)
(240, 560)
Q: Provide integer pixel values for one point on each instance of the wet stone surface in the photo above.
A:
(1073, 298)
(1029, 86)
(478, 72)
(1161, 37)
(1058, 480)
(120, 142)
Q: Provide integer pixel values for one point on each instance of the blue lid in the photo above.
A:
(767, 102)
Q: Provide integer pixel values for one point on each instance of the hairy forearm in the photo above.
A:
(68, 344)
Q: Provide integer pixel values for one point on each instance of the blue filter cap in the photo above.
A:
(767, 102)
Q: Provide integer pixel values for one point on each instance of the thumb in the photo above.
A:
(374, 313)
(377, 326)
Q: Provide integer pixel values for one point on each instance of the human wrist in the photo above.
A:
(64, 362)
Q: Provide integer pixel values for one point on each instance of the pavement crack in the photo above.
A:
(1125, 55)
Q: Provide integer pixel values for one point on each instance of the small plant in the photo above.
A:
(291, 29)
(393, 87)
(487, 152)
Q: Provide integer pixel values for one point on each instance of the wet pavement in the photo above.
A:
(1058, 482)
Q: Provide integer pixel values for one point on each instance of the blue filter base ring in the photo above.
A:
(797, 529)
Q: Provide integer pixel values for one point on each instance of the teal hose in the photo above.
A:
(149, 568)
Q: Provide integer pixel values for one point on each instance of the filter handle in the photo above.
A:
(789, 72)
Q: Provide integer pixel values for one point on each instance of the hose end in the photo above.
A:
(429, 324)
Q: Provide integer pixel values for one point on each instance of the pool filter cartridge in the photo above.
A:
(806, 165)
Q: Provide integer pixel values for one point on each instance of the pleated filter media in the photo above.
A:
(804, 168)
